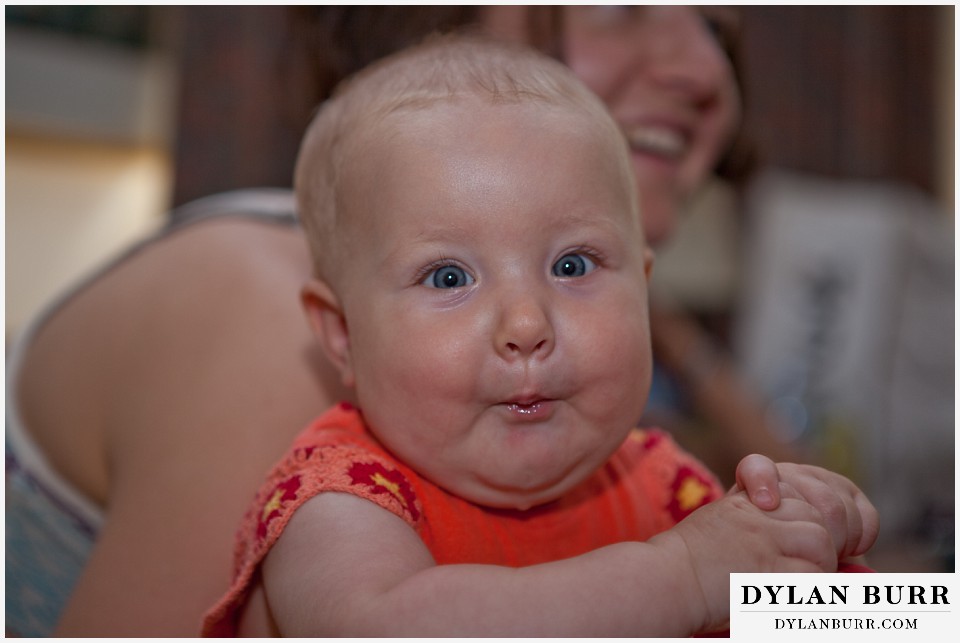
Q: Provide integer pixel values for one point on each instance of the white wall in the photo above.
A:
(69, 206)
(88, 169)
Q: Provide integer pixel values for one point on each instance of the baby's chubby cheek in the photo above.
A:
(423, 364)
(614, 345)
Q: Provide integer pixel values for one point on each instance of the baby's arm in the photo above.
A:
(852, 519)
(347, 567)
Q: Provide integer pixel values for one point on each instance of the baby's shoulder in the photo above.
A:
(335, 453)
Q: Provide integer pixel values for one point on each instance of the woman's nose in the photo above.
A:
(681, 54)
(524, 329)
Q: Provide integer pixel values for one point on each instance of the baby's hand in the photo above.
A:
(848, 514)
(733, 535)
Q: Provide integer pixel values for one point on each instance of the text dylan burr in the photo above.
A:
(838, 594)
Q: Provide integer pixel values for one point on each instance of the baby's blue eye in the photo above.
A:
(573, 265)
(448, 277)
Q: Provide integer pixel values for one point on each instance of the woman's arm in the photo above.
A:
(717, 391)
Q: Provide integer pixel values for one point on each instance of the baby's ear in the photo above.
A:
(648, 257)
(329, 326)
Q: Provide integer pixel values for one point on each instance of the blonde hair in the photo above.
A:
(441, 69)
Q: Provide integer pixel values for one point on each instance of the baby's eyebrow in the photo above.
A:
(451, 231)
(444, 231)
(434, 235)
(439, 233)
(573, 220)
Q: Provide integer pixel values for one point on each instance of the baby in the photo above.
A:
(481, 284)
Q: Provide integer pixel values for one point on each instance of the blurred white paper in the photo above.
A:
(847, 326)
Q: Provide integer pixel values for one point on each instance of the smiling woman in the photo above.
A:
(669, 83)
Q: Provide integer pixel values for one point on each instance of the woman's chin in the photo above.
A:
(659, 216)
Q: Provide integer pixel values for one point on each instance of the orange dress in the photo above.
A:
(645, 488)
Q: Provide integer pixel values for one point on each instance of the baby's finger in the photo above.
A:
(848, 514)
(787, 490)
(870, 524)
(758, 476)
(862, 519)
(804, 535)
(839, 513)
(796, 566)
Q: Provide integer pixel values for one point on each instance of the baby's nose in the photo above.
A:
(524, 329)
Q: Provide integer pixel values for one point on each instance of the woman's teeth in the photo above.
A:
(662, 141)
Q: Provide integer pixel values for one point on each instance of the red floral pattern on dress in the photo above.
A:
(379, 480)
(690, 490)
(650, 438)
(283, 492)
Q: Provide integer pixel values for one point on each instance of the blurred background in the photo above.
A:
(830, 276)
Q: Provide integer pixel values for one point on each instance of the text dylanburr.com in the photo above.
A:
(864, 607)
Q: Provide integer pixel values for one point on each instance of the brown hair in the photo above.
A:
(341, 40)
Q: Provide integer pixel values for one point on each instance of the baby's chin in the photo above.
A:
(499, 494)
(511, 500)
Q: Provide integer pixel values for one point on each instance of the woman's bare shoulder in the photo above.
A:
(180, 375)
(210, 311)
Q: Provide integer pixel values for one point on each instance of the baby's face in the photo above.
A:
(495, 299)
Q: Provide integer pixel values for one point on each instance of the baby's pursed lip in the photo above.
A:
(526, 409)
(530, 408)
(525, 400)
